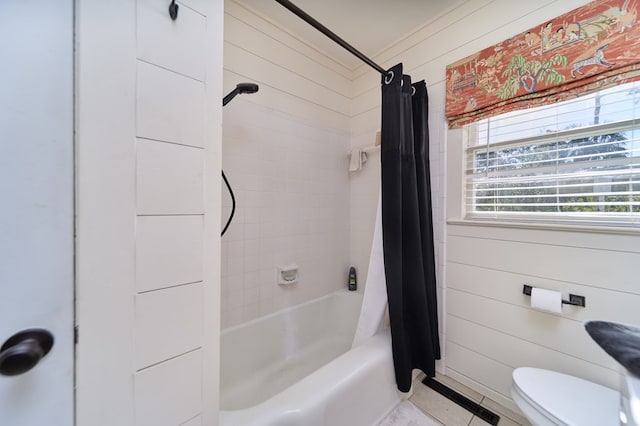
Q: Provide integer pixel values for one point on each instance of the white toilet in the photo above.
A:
(550, 398)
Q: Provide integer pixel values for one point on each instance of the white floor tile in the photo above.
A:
(450, 414)
(442, 409)
(407, 414)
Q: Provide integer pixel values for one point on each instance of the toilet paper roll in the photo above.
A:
(546, 300)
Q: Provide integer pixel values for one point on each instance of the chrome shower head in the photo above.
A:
(240, 88)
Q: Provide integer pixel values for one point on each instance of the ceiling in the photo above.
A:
(368, 25)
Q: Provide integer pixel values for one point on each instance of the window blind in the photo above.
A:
(576, 160)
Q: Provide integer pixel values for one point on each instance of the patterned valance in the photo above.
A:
(589, 48)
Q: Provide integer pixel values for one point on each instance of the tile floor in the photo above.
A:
(450, 414)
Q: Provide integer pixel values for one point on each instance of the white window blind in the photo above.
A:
(577, 160)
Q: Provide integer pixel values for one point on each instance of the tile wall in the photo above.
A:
(291, 186)
(285, 155)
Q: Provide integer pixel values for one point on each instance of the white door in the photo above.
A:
(36, 211)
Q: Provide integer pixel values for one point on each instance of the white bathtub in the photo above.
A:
(296, 367)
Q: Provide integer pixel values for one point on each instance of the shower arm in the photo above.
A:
(240, 89)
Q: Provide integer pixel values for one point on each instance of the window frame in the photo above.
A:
(630, 220)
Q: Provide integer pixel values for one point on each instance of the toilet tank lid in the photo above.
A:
(569, 399)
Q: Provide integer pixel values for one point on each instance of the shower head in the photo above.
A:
(247, 88)
(240, 88)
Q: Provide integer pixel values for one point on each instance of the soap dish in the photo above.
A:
(287, 274)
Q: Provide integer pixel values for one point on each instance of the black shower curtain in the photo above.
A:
(407, 227)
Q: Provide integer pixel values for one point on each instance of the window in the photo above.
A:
(576, 160)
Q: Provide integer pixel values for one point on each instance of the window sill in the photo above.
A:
(547, 226)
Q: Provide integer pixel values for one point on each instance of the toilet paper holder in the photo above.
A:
(574, 299)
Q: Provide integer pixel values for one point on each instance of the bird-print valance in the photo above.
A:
(589, 48)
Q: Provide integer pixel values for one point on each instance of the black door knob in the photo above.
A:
(22, 351)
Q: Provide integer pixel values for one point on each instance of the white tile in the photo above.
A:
(235, 265)
(231, 318)
(168, 251)
(265, 308)
(251, 296)
(177, 45)
(251, 263)
(251, 246)
(168, 323)
(250, 311)
(505, 413)
(439, 407)
(235, 249)
(251, 279)
(169, 178)
(235, 298)
(407, 414)
(251, 231)
(170, 107)
(169, 393)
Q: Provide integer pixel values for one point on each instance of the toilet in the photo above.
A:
(551, 398)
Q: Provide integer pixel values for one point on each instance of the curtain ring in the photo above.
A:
(389, 76)
(173, 10)
(413, 90)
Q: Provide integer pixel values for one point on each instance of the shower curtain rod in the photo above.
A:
(324, 30)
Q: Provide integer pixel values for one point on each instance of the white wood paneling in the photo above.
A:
(245, 36)
(462, 31)
(594, 237)
(482, 373)
(168, 251)
(265, 26)
(203, 7)
(196, 421)
(148, 212)
(169, 393)
(446, 20)
(169, 178)
(515, 351)
(534, 326)
(285, 77)
(169, 323)
(105, 188)
(169, 106)
(487, 267)
(283, 102)
(606, 269)
(507, 287)
(294, 78)
(176, 45)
